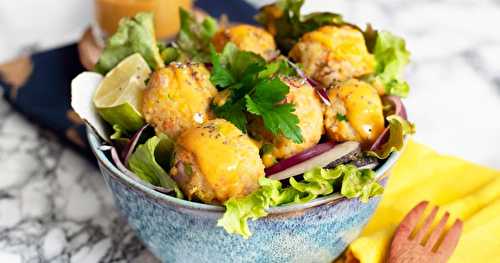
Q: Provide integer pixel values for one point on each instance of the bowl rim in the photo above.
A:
(151, 193)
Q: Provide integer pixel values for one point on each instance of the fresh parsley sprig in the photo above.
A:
(254, 88)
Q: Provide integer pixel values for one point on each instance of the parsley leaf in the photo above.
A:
(341, 117)
(278, 118)
(234, 112)
(234, 66)
(221, 77)
(254, 88)
(279, 67)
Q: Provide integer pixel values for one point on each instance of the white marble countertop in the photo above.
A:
(54, 206)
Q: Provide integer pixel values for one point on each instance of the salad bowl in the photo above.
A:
(177, 230)
(240, 143)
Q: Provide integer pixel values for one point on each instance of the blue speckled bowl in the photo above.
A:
(177, 230)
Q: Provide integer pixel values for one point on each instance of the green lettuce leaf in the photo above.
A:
(143, 163)
(169, 54)
(360, 183)
(118, 133)
(253, 206)
(164, 151)
(398, 128)
(194, 38)
(286, 22)
(391, 58)
(134, 35)
(348, 179)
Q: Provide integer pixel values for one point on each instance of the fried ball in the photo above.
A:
(309, 110)
(355, 114)
(178, 97)
(216, 161)
(331, 54)
(248, 38)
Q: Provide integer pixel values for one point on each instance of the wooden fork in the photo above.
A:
(406, 248)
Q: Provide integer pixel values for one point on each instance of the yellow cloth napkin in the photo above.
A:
(468, 191)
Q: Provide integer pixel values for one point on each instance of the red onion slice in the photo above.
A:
(324, 159)
(129, 149)
(320, 90)
(399, 109)
(300, 157)
(323, 95)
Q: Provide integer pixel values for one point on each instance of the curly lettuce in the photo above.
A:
(194, 38)
(398, 129)
(391, 58)
(143, 163)
(134, 35)
(348, 179)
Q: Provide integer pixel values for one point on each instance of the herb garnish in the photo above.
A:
(341, 117)
(255, 88)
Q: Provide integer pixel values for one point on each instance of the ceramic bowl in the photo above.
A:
(177, 230)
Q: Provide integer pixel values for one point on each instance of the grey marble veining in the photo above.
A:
(54, 205)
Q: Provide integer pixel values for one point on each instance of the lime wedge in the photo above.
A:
(118, 98)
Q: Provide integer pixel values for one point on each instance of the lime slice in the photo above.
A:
(118, 98)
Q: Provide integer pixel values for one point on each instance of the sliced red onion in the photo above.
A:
(322, 160)
(399, 109)
(127, 172)
(320, 89)
(323, 95)
(129, 149)
(382, 138)
(300, 157)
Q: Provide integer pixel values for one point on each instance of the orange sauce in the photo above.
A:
(109, 13)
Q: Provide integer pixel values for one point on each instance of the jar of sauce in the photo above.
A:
(109, 13)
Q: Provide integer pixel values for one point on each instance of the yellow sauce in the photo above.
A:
(363, 109)
(225, 156)
(344, 43)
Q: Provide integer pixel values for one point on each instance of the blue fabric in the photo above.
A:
(45, 97)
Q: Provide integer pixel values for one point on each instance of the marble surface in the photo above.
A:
(54, 206)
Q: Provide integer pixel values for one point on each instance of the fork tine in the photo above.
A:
(426, 226)
(411, 219)
(436, 232)
(450, 241)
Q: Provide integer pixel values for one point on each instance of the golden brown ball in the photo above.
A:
(331, 53)
(216, 161)
(178, 97)
(355, 114)
(247, 38)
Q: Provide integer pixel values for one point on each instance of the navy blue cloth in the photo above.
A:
(45, 97)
